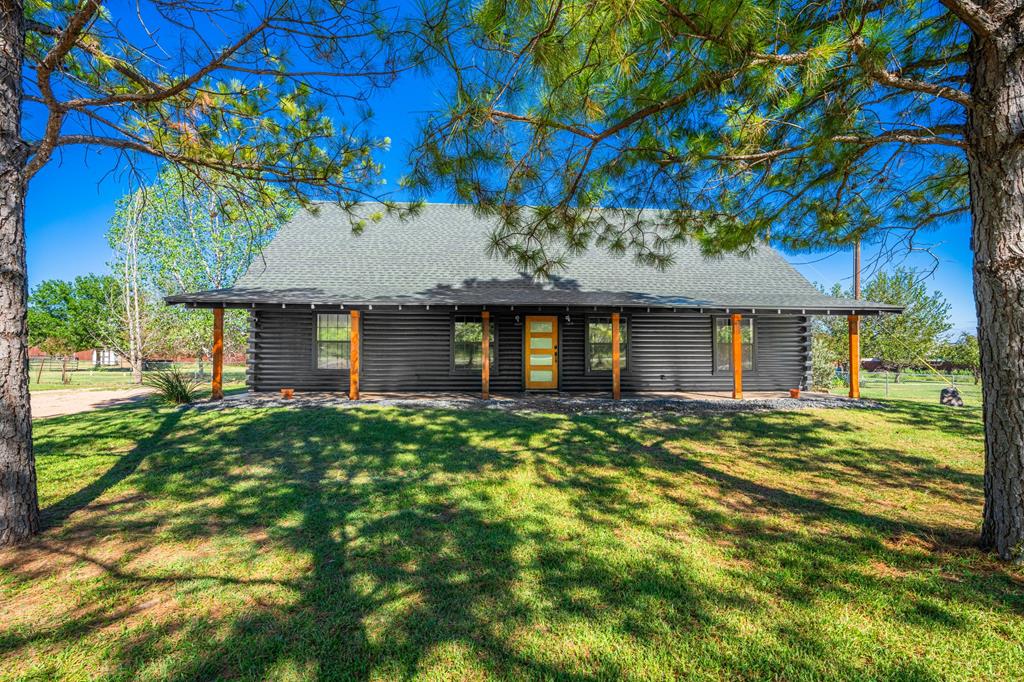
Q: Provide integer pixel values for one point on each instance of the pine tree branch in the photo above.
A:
(924, 136)
(181, 86)
(942, 91)
(894, 80)
(543, 123)
(65, 41)
(118, 64)
(977, 19)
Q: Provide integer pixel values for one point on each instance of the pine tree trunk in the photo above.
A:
(19, 506)
(996, 164)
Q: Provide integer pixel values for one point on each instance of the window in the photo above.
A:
(332, 341)
(467, 344)
(599, 344)
(723, 343)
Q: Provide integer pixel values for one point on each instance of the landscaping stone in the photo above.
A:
(951, 397)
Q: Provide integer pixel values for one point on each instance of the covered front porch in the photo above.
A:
(736, 331)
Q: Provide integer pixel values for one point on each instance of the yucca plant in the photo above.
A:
(173, 386)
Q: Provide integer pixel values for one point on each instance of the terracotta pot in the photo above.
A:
(287, 393)
(794, 393)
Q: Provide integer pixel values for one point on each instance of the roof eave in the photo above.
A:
(214, 301)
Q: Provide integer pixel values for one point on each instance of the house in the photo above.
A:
(101, 357)
(92, 357)
(417, 305)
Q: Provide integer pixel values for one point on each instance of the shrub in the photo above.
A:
(823, 364)
(173, 386)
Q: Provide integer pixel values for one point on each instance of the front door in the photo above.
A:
(541, 352)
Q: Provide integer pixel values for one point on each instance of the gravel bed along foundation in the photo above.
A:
(543, 404)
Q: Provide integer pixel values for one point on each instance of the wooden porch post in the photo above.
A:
(218, 354)
(353, 356)
(737, 357)
(854, 321)
(616, 379)
(485, 374)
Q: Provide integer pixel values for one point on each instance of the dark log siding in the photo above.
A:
(281, 354)
(410, 350)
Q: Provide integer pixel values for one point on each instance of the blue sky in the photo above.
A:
(71, 200)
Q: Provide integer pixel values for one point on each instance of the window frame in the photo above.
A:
(470, 317)
(714, 346)
(625, 321)
(346, 357)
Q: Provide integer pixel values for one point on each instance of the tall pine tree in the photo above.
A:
(253, 90)
(816, 124)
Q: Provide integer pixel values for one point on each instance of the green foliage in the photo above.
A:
(963, 353)
(68, 316)
(197, 232)
(743, 118)
(200, 231)
(255, 90)
(832, 332)
(900, 341)
(173, 385)
(909, 339)
(824, 361)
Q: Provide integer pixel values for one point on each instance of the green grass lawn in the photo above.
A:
(919, 388)
(385, 544)
(112, 378)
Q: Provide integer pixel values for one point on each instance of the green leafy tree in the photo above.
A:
(824, 361)
(256, 90)
(831, 338)
(65, 317)
(964, 353)
(909, 339)
(194, 234)
(813, 125)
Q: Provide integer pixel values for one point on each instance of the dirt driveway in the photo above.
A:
(54, 403)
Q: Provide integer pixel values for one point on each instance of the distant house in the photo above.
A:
(403, 307)
(100, 357)
(91, 357)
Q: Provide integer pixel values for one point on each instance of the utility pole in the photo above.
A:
(856, 270)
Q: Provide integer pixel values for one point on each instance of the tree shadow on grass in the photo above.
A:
(124, 467)
(349, 544)
(370, 501)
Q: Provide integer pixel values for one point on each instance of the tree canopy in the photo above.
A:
(812, 125)
(963, 353)
(202, 232)
(194, 234)
(254, 90)
(912, 337)
(900, 341)
(68, 316)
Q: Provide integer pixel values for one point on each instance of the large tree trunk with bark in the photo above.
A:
(19, 506)
(995, 137)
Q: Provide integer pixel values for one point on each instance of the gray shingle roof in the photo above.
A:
(439, 258)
